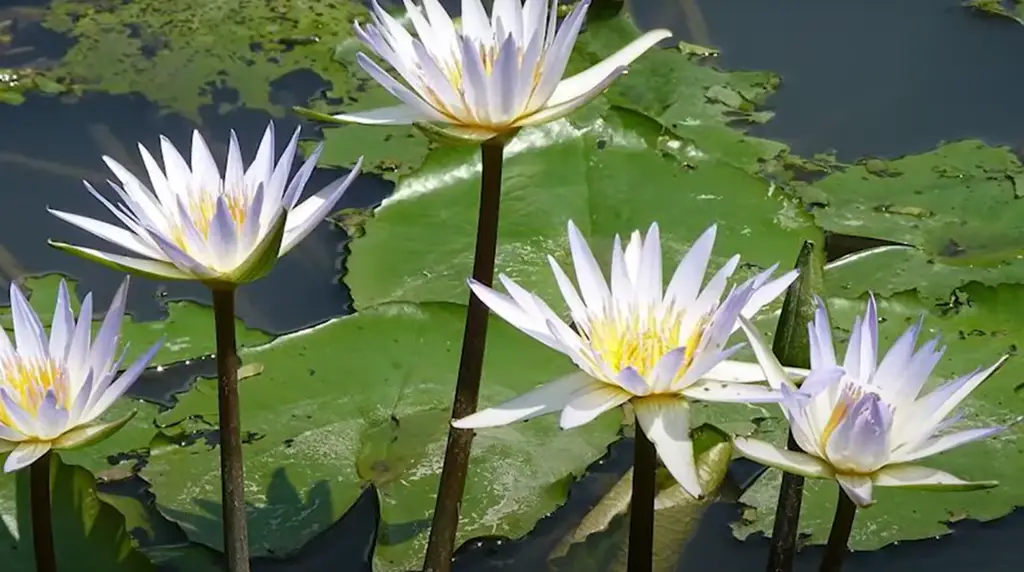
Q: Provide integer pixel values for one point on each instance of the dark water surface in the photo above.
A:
(863, 77)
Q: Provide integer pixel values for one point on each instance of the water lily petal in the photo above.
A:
(402, 114)
(29, 336)
(666, 422)
(858, 488)
(312, 211)
(925, 478)
(936, 445)
(149, 268)
(548, 398)
(572, 87)
(721, 392)
(591, 402)
(25, 454)
(790, 461)
(88, 434)
(773, 370)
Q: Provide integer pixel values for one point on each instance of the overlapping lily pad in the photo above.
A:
(960, 205)
(364, 399)
(977, 330)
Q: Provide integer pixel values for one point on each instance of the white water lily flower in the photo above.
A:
(196, 224)
(635, 341)
(488, 76)
(866, 423)
(53, 389)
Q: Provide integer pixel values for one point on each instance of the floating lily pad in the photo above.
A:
(977, 331)
(960, 205)
(180, 53)
(365, 399)
(611, 176)
(85, 528)
(187, 329)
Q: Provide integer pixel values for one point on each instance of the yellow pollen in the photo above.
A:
(641, 342)
(28, 380)
(842, 408)
(202, 207)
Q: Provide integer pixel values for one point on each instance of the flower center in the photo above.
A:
(28, 380)
(202, 207)
(640, 342)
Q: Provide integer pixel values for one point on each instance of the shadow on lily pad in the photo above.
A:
(346, 544)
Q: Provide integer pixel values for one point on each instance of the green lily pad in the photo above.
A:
(187, 329)
(960, 205)
(678, 89)
(1011, 9)
(977, 332)
(592, 175)
(327, 425)
(179, 53)
(85, 529)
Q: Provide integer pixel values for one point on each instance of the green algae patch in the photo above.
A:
(180, 53)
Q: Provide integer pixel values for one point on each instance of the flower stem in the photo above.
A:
(839, 536)
(641, 505)
(42, 519)
(792, 347)
(232, 482)
(467, 389)
(787, 518)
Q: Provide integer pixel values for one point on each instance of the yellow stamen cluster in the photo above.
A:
(202, 207)
(641, 341)
(28, 380)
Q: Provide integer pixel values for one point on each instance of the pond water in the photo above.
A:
(862, 78)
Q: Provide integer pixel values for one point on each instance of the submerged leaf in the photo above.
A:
(600, 542)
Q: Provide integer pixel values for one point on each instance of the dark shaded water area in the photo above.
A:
(863, 78)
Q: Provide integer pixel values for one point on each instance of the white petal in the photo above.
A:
(25, 454)
(553, 112)
(148, 268)
(109, 233)
(823, 353)
(588, 274)
(63, 324)
(925, 478)
(930, 410)
(790, 461)
(666, 422)
(573, 87)
(312, 211)
(773, 370)
(29, 336)
(510, 311)
(732, 392)
(943, 443)
(394, 115)
(733, 371)
(548, 398)
(591, 402)
(689, 275)
(858, 488)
